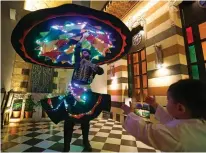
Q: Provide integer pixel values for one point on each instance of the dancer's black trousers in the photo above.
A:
(69, 128)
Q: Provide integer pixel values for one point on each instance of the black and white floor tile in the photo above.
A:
(104, 136)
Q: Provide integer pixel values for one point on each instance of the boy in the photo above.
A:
(182, 126)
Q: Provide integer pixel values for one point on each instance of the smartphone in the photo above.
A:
(127, 100)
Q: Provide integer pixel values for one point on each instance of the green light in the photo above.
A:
(73, 59)
(86, 45)
(38, 41)
(43, 34)
(39, 54)
(96, 57)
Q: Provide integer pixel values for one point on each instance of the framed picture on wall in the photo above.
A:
(136, 40)
(112, 71)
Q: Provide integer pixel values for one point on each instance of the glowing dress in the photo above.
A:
(80, 102)
(48, 37)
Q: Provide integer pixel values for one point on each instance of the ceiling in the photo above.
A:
(116, 8)
(98, 5)
(32, 5)
(119, 8)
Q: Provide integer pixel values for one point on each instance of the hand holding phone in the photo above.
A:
(127, 107)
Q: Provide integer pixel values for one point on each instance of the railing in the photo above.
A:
(3, 104)
(8, 113)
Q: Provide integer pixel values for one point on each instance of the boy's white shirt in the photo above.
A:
(171, 134)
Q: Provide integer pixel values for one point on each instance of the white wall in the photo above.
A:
(7, 51)
(99, 83)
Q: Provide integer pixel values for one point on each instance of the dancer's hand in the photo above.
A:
(85, 35)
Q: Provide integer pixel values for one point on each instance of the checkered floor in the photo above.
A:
(104, 136)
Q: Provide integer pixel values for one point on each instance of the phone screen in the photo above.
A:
(127, 100)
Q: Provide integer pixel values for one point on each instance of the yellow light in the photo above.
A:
(159, 66)
(138, 12)
(141, 32)
(33, 5)
(149, 5)
(114, 84)
(13, 124)
(162, 71)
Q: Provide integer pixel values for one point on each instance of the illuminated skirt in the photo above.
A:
(66, 107)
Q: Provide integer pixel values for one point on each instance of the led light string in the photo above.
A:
(87, 113)
(66, 29)
(76, 96)
(77, 116)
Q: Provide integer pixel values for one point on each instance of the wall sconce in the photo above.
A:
(112, 71)
(114, 83)
(159, 56)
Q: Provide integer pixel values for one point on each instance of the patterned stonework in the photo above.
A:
(41, 79)
(119, 8)
(61, 79)
(20, 80)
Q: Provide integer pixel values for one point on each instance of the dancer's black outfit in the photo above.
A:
(71, 108)
(83, 74)
(68, 130)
